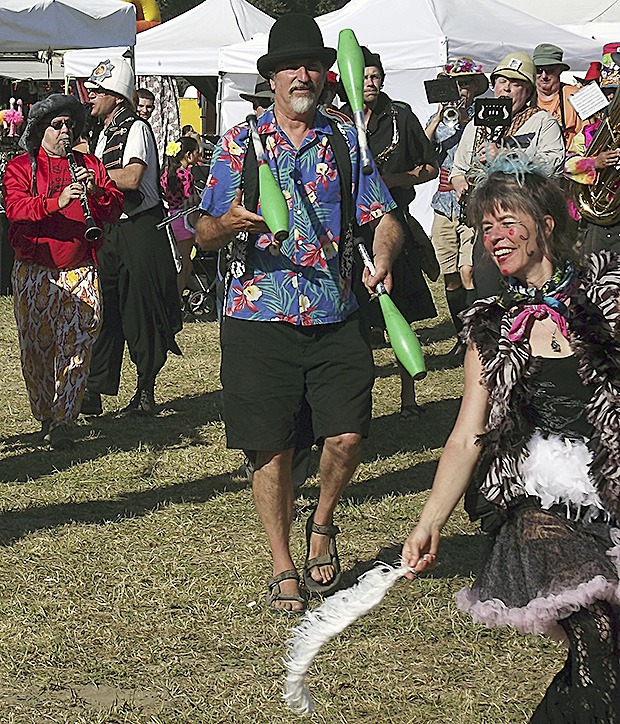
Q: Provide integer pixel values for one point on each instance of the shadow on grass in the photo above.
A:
(459, 556)
(436, 333)
(15, 524)
(400, 482)
(179, 419)
(389, 434)
(434, 363)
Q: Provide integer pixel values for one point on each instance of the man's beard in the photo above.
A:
(302, 104)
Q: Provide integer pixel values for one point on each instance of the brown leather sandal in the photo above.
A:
(275, 594)
(328, 559)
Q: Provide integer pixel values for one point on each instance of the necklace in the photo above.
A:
(555, 345)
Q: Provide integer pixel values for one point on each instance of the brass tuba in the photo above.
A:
(600, 202)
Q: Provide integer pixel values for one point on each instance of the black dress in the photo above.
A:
(555, 563)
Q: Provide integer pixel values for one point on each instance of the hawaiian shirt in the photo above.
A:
(303, 283)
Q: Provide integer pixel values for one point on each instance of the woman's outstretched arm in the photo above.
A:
(454, 471)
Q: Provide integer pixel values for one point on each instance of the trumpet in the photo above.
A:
(450, 113)
(93, 232)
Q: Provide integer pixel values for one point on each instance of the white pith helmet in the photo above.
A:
(114, 75)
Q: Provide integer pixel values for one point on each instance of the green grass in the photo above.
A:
(132, 569)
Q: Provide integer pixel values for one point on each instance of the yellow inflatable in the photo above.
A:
(147, 14)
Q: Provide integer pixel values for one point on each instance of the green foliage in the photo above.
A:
(171, 8)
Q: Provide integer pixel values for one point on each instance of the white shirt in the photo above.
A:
(140, 145)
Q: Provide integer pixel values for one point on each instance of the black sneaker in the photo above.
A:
(59, 437)
(142, 404)
(91, 403)
(45, 428)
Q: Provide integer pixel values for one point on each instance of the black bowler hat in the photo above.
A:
(294, 37)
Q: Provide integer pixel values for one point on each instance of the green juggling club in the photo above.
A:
(351, 68)
(403, 339)
(273, 206)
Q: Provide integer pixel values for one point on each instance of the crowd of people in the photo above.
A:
(531, 279)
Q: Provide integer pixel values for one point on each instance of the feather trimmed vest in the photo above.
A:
(508, 371)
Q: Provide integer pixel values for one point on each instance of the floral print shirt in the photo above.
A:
(303, 282)
(579, 166)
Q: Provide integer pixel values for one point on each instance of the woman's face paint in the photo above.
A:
(510, 238)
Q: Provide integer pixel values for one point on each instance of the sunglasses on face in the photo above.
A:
(57, 124)
(548, 69)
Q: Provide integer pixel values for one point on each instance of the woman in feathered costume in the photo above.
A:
(536, 446)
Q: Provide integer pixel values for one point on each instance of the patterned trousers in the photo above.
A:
(58, 314)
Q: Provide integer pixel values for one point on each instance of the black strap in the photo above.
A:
(249, 177)
(342, 155)
(562, 114)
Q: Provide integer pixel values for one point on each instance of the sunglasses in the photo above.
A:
(57, 124)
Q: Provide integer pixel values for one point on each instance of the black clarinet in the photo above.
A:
(93, 232)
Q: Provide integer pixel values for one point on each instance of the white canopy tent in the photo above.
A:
(187, 45)
(32, 25)
(414, 38)
(31, 29)
(596, 19)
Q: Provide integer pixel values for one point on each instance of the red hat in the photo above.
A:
(594, 73)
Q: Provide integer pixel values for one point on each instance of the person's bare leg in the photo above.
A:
(467, 276)
(340, 456)
(185, 250)
(272, 486)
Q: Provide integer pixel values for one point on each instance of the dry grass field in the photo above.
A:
(133, 566)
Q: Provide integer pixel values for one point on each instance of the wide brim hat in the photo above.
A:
(114, 75)
(294, 37)
(517, 66)
(44, 111)
(464, 67)
(262, 92)
(549, 54)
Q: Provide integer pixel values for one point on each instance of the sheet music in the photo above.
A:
(588, 100)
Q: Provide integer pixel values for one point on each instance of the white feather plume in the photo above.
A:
(557, 472)
(319, 626)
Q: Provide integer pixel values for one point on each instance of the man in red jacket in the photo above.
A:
(55, 283)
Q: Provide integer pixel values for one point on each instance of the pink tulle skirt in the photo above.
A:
(545, 564)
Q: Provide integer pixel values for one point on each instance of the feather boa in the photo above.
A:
(327, 621)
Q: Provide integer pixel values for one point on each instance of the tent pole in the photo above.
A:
(130, 55)
(218, 106)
